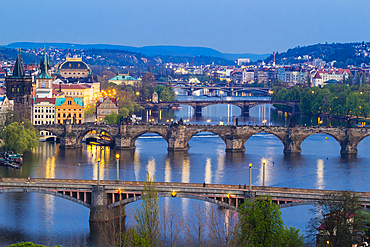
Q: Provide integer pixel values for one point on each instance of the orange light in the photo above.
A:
(117, 156)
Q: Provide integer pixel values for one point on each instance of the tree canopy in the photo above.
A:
(19, 137)
(340, 100)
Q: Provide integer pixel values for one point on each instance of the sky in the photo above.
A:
(229, 26)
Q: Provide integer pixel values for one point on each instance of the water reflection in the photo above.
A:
(320, 174)
(208, 172)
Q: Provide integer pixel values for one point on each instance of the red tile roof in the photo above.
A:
(72, 86)
(50, 100)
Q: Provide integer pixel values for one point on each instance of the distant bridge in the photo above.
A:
(112, 194)
(227, 90)
(198, 105)
(179, 135)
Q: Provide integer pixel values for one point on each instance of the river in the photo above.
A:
(49, 220)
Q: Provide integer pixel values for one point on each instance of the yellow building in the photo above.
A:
(69, 108)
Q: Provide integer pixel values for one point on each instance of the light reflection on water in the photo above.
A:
(52, 221)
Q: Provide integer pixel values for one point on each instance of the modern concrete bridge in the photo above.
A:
(198, 105)
(179, 135)
(111, 195)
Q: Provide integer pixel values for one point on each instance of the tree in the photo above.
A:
(292, 237)
(260, 219)
(336, 218)
(19, 139)
(89, 109)
(111, 118)
(147, 214)
(165, 93)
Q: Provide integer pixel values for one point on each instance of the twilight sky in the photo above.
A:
(229, 26)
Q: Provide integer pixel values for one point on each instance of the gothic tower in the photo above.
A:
(18, 88)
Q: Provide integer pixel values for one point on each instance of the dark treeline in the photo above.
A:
(338, 100)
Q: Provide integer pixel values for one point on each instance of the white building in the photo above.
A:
(6, 108)
(317, 80)
(43, 111)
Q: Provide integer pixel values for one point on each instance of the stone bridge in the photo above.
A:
(190, 88)
(198, 105)
(179, 135)
(112, 196)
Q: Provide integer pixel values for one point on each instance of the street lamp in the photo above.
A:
(264, 171)
(250, 176)
(117, 157)
(98, 171)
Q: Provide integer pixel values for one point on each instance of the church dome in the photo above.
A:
(74, 64)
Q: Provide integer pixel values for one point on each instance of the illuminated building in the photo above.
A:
(69, 108)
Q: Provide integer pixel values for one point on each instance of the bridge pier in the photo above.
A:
(348, 147)
(246, 110)
(177, 140)
(98, 208)
(123, 140)
(99, 211)
(198, 110)
(292, 145)
(234, 145)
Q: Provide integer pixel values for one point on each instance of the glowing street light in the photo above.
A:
(98, 171)
(250, 176)
(264, 172)
(117, 157)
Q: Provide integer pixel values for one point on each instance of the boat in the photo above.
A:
(13, 157)
(5, 162)
(176, 107)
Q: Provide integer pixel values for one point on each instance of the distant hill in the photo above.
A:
(343, 54)
(161, 50)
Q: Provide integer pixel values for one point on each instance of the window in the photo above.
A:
(64, 115)
(58, 114)
(80, 115)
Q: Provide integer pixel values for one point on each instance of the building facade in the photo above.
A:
(6, 109)
(43, 111)
(69, 108)
(105, 107)
(74, 68)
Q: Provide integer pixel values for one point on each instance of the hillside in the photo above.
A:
(343, 53)
(160, 50)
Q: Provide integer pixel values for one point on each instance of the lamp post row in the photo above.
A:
(117, 157)
(263, 174)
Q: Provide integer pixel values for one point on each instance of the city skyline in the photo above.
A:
(229, 27)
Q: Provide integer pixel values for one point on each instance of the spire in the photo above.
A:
(44, 66)
(18, 67)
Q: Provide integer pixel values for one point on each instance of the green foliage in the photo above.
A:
(19, 139)
(165, 93)
(111, 118)
(89, 109)
(260, 219)
(28, 244)
(340, 100)
(291, 237)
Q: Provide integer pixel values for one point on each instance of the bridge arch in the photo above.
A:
(137, 135)
(303, 138)
(191, 134)
(82, 134)
(179, 195)
(47, 192)
(265, 131)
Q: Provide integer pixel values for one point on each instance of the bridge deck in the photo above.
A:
(165, 187)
